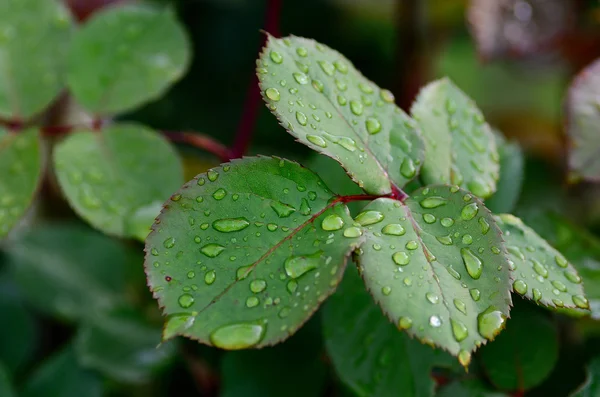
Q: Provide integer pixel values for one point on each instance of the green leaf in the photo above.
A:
(61, 375)
(126, 56)
(326, 103)
(591, 387)
(582, 122)
(122, 346)
(437, 267)
(460, 147)
(18, 334)
(243, 255)
(512, 164)
(275, 371)
(6, 388)
(524, 354)
(21, 170)
(541, 273)
(368, 353)
(116, 179)
(468, 388)
(34, 37)
(69, 270)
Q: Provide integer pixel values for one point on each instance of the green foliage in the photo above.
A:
(18, 337)
(6, 388)
(591, 388)
(509, 185)
(34, 40)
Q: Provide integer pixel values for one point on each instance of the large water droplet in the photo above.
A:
(332, 222)
(393, 229)
(559, 286)
(459, 330)
(327, 67)
(469, 211)
(258, 285)
(373, 125)
(282, 210)
(485, 226)
(432, 298)
(447, 222)
(237, 336)
(460, 305)
(412, 245)
(252, 301)
(561, 261)
(408, 168)
(186, 300)
(301, 118)
(212, 250)
(352, 232)
(366, 218)
(520, 287)
(316, 140)
(581, 301)
(230, 225)
(272, 94)
(318, 85)
(276, 57)
(490, 322)
(405, 323)
(356, 107)
(472, 263)
(435, 321)
(475, 294)
(446, 240)
(305, 207)
(537, 294)
(296, 266)
(300, 78)
(572, 276)
(429, 218)
(539, 268)
(433, 202)
(169, 242)
(401, 258)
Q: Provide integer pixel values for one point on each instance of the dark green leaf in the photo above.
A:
(468, 388)
(241, 256)
(18, 334)
(70, 270)
(21, 169)
(524, 354)
(326, 103)
(34, 37)
(368, 353)
(541, 273)
(508, 189)
(116, 179)
(61, 375)
(438, 268)
(591, 387)
(6, 388)
(122, 346)
(126, 56)
(460, 147)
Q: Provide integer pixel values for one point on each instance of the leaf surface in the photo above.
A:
(460, 147)
(116, 179)
(508, 190)
(126, 56)
(242, 256)
(21, 169)
(34, 38)
(437, 267)
(323, 101)
(368, 353)
(541, 273)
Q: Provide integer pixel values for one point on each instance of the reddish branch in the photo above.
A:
(201, 142)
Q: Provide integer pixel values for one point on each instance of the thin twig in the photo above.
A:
(200, 141)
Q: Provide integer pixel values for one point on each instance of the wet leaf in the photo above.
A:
(34, 38)
(243, 255)
(460, 147)
(368, 353)
(116, 179)
(126, 56)
(6, 387)
(323, 101)
(541, 273)
(583, 115)
(61, 375)
(524, 354)
(69, 270)
(591, 387)
(122, 346)
(21, 169)
(437, 267)
(508, 190)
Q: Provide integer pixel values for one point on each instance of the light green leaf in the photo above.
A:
(122, 346)
(243, 255)
(18, 334)
(541, 273)
(512, 164)
(61, 375)
(459, 145)
(115, 179)
(591, 387)
(126, 56)
(21, 170)
(34, 37)
(70, 271)
(368, 353)
(524, 354)
(582, 124)
(326, 103)
(6, 388)
(437, 267)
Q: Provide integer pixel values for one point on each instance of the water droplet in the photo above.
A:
(559, 286)
(561, 261)
(258, 285)
(460, 305)
(210, 277)
(282, 210)
(327, 67)
(539, 268)
(412, 245)
(572, 277)
(401, 258)
(301, 51)
(352, 232)
(464, 358)
(252, 301)
(537, 294)
(485, 226)
(341, 100)
(558, 302)
(393, 229)
(408, 168)
(230, 225)
(169, 243)
(296, 266)
(467, 239)
(356, 107)
(212, 250)
(300, 78)
(301, 118)
(433, 202)
(490, 322)
(447, 222)
(366, 218)
(453, 272)
(316, 140)
(459, 330)
(405, 323)
(305, 207)
(276, 57)
(429, 218)
(272, 94)
(407, 281)
(446, 240)
(318, 85)
(435, 321)
(387, 96)
(479, 188)
(186, 300)
(292, 286)
(520, 287)
(212, 176)
(469, 211)
(432, 298)
(581, 301)
(472, 263)
(373, 125)
(237, 336)
(332, 222)
(386, 290)
(475, 294)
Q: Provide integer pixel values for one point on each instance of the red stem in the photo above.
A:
(201, 142)
(360, 197)
(245, 129)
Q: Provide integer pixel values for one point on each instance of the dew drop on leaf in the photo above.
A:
(367, 218)
(472, 263)
(520, 287)
(490, 322)
(212, 250)
(352, 232)
(401, 258)
(332, 223)
(237, 336)
(186, 300)
(405, 323)
(393, 229)
(230, 225)
(433, 202)
(469, 211)
(459, 330)
(296, 266)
